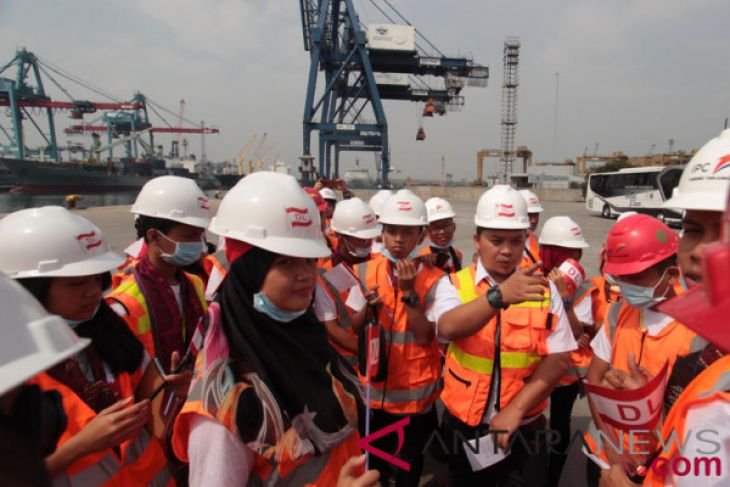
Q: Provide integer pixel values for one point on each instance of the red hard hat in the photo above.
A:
(636, 243)
(319, 202)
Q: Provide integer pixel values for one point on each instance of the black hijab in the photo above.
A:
(290, 358)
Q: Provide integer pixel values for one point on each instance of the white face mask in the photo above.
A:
(358, 252)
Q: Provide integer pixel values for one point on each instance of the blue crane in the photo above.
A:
(339, 48)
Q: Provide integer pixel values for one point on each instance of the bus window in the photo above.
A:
(668, 181)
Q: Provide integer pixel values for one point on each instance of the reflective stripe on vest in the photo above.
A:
(343, 315)
(470, 361)
(414, 370)
(142, 461)
(131, 296)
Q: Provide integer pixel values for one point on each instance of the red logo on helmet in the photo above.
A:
(89, 240)
(203, 203)
(298, 217)
(505, 210)
(533, 201)
(722, 163)
(576, 231)
(404, 205)
(368, 219)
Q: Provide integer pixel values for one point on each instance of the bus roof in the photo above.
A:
(640, 169)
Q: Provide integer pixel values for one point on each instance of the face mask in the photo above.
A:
(263, 304)
(74, 323)
(639, 296)
(186, 253)
(37, 415)
(442, 247)
(414, 253)
(358, 252)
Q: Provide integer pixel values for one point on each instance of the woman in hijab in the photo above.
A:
(265, 405)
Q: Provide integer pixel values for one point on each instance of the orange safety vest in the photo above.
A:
(275, 468)
(532, 251)
(344, 315)
(711, 385)
(413, 380)
(130, 295)
(123, 271)
(625, 327)
(210, 262)
(470, 361)
(141, 461)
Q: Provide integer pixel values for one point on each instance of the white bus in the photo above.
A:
(639, 189)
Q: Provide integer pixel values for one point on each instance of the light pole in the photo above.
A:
(555, 119)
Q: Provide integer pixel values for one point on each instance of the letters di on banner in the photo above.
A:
(630, 409)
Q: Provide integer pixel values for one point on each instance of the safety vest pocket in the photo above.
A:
(517, 334)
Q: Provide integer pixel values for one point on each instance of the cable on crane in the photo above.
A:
(417, 31)
(169, 112)
(53, 80)
(79, 81)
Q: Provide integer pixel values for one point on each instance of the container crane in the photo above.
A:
(338, 46)
(27, 91)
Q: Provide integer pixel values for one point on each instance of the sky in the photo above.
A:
(632, 74)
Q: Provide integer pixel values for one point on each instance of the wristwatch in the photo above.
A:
(411, 300)
(567, 303)
(494, 297)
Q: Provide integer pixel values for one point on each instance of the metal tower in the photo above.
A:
(510, 82)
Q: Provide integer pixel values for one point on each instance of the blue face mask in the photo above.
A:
(414, 253)
(263, 304)
(442, 247)
(358, 252)
(74, 323)
(185, 253)
(639, 296)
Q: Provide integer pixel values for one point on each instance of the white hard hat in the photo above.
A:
(562, 231)
(53, 242)
(355, 218)
(704, 182)
(404, 208)
(173, 198)
(33, 340)
(438, 209)
(377, 200)
(328, 194)
(271, 211)
(502, 208)
(533, 202)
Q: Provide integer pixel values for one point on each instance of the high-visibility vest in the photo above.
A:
(531, 253)
(274, 468)
(413, 380)
(141, 461)
(123, 271)
(711, 385)
(130, 295)
(470, 360)
(344, 315)
(626, 333)
(210, 262)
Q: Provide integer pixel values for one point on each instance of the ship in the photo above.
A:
(35, 176)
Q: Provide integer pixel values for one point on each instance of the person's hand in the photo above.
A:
(318, 185)
(114, 425)
(350, 475)
(406, 274)
(181, 378)
(524, 285)
(372, 297)
(506, 422)
(557, 277)
(584, 341)
(635, 378)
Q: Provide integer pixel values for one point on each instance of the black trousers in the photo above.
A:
(561, 410)
(526, 465)
(417, 433)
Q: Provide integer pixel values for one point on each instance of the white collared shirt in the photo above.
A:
(560, 338)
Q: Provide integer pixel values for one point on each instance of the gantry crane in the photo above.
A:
(338, 47)
(121, 118)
